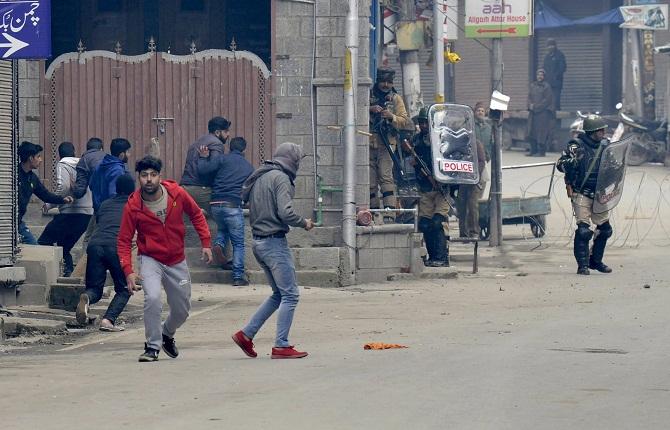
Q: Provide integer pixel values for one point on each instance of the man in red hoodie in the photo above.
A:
(156, 214)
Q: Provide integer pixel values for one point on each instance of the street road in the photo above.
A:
(525, 344)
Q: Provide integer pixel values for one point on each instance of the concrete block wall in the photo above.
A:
(383, 250)
(292, 69)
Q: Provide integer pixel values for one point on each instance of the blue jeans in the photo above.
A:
(26, 235)
(230, 226)
(274, 256)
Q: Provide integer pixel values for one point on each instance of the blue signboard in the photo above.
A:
(25, 29)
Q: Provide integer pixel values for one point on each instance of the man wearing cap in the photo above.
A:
(385, 105)
(554, 66)
(540, 115)
(581, 162)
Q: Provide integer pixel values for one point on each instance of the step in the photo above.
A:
(64, 296)
(297, 237)
(15, 326)
(325, 258)
(32, 294)
(313, 278)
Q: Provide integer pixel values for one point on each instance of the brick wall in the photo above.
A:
(294, 35)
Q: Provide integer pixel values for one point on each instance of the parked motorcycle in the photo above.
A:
(650, 145)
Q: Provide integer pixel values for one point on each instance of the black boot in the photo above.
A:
(425, 227)
(581, 248)
(441, 256)
(603, 232)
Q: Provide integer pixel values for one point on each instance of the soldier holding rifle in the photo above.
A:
(387, 116)
(434, 199)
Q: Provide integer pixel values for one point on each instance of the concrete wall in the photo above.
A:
(385, 250)
(29, 101)
(292, 68)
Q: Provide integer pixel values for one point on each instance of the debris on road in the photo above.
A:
(381, 345)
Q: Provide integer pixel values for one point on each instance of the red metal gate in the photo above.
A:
(158, 101)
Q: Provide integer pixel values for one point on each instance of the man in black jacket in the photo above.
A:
(102, 257)
(199, 185)
(30, 156)
(230, 170)
(554, 65)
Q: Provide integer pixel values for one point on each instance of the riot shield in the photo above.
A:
(453, 144)
(611, 176)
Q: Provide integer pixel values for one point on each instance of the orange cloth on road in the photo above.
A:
(381, 345)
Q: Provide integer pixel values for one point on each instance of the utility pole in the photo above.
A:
(439, 14)
(409, 60)
(495, 201)
(350, 87)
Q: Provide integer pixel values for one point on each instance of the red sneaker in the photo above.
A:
(287, 352)
(244, 343)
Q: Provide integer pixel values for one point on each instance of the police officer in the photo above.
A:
(581, 162)
(433, 198)
(387, 109)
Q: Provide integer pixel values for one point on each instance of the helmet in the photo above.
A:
(423, 114)
(594, 123)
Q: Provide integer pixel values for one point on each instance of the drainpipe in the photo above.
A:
(350, 86)
(438, 49)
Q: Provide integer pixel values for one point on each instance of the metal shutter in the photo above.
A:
(8, 164)
(425, 73)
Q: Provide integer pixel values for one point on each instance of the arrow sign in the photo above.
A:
(25, 29)
(13, 45)
(511, 30)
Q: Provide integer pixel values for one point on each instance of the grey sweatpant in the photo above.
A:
(177, 283)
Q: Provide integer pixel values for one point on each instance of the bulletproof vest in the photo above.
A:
(382, 99)
(590, 149)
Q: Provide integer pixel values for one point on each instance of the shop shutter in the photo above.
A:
(8, 194)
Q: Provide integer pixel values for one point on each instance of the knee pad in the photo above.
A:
(425, 225)
(583, 232)
(437, 221)
(605, 230)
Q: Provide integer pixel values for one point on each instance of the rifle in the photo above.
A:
(381, 127)
(427, 173)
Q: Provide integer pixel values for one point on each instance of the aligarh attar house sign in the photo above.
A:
(498, 18)
(25, 29)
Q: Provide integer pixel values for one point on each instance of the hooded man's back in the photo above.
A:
(270, 190)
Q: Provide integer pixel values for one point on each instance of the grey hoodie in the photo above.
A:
(270, 190)
(66, 176)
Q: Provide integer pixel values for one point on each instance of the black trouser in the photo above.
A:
(100, 260)
(65, 230)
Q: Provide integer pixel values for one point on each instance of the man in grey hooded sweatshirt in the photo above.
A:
(269, 191)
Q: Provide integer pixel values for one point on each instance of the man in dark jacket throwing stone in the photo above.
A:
(269, 191)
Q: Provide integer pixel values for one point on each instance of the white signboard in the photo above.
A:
(498, 18)
(645, 17)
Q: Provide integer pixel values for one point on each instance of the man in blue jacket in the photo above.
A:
(103, 181)
(230, 171)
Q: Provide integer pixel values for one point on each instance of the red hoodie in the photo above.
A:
(162, 242)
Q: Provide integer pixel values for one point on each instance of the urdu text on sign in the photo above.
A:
(25, 29)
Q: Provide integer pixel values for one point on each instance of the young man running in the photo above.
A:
(155, 213)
